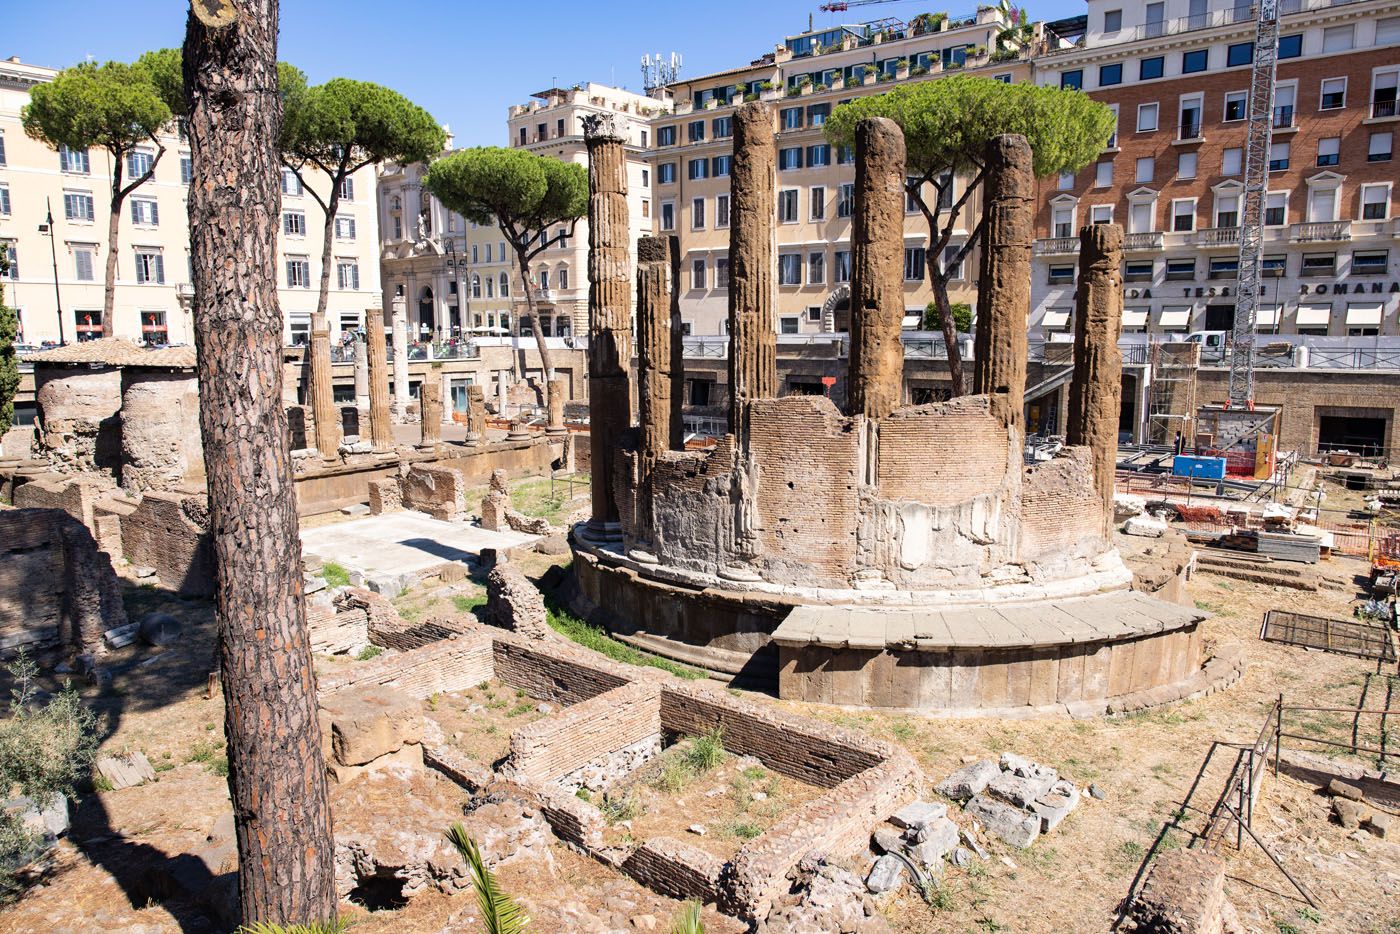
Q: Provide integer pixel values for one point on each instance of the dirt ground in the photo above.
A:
(1159, 769)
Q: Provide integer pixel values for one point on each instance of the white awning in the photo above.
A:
(1055, 319)
(1313, 315)
(1363, 316)
(1175, 318)
(911, 323)
(1134, 319)
(1266, 316)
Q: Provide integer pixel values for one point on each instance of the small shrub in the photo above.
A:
(368, 652)
(521, 709)
(618, 808)
(675, 774)
(316, 927)
(688, 920)
(937, 895)
(335, 575)
(744, 830)
(706, 751)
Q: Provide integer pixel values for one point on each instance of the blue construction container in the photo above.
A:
(1198, 468)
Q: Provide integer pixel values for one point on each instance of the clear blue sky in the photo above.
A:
(466, 61)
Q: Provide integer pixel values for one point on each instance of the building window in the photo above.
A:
(721, 211)
(790, 118)
(1290, 46)
(1189, 123)
(1225, 267)
(1227, 210)
(816, 268)
(1184, 215)
(1141, 216)
(790, 159)
(1062, 222)
(2, 147)
(845, 155)
(697, 274)
(1194, 61)
(695, 132)
(150, 268)
(668, 215)
(347, 275)
(298, 272)
(84, 261)
(1284, 97)
(722, 127)
(1179, 270)
(952, 263)
(666, 173)
(1103, 175)
(1186, 165)
(845, 200)
(1276, 209)
(1150, 68)
(1236, 105)
(347, 189)
(698, 168)
(817, 114)
(1274, 267)
(144, 212)
(722, 166)
(1137, 272)
(1338, 38)
(841, 266)
(1370, 264)
(818, 156)
(1064, 183)
(1231, 161)
(291, 184)
(665, 135)
(1319, 265)
(1278, 156)
(1060, 275)
(914, 258)
(505, 285)
(77, 206)
(1334, 94)
(1112, 20)
(1375, 202)
(1110, 74)
(186, 170)
(345, 228)
(1239, 53)
(1380, 147)
(1146, 169)
(138, 163)
(73, 161)
(1073, 80)
(697, 213)
(1101, 214)
(721, 272)
(294, 223)
(1322, 204)
(790, 269)
(1147, 118)
(153, 330)
(1329, 150)
(787, 206)
(816, 201)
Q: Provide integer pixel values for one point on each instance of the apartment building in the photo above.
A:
(804, 79)
(552, 125)
(153, 293)
(1177, 74)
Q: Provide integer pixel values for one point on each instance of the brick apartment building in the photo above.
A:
(1177, 74)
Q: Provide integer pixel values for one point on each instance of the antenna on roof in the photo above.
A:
(658, 72)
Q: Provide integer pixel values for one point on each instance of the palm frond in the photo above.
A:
(688, 920)
(315, 927)
(499, 912)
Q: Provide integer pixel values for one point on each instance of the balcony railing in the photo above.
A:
(1283, 118)
(1383, 108)
(1218, 236)
(1141, 242)
(1056, 246)
(1189, 130)
(1321, 231)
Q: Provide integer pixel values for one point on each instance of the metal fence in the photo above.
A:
(1340, 636)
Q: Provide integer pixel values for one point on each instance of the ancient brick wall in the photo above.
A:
(676, 868)
(170, 532)
(79, 428)
(945, 453)
(161, 442)
(438, 491)
(1062, 514)
(76, 496)
(586, 732)
(450, 665)
(523, 663)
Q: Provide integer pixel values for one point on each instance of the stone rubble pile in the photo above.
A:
(1013, 799)
(1351, 810)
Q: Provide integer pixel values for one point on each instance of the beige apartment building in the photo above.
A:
(153, 265)
(803, 80)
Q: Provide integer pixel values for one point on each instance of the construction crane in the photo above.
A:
(1256, 181)
(843, 7)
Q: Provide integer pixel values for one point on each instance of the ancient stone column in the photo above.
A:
(502, 392)
(476, 416)
(555, 395)
(400, 324)
(1004, 282)
(653, 345)
(609, 313)
(753, 343)
(877, 270)
(381, 429)
(677, 349)
(430, 411)
(323, 407)
(1096, 387)
(361, 376)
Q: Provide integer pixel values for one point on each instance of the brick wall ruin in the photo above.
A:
(79, 428)
(160, 438)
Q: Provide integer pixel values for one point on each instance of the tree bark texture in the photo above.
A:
(546, 356)
(1004, 282)
(277, 776)
(381, 429)
(609, 317)
(1096, 386)
(877, 270)
(753, 342)
(323, 407)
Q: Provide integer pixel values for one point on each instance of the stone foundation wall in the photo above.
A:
(78, 425)
(170, 532)
(586, 732)
(161, 442)
(438, 491)
(1184, 893)
(451, 665)
(1061, 513)
(676, 869)
(523, 663)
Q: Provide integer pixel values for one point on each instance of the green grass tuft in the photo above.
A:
(594, 637)
(334, 575)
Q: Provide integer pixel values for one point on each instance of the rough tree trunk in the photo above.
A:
(327, 243)
(109, 292)
(950, 334)
(546, 359)
(276, 773)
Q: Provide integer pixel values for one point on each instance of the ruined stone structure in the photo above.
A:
(476, 415)
(430, 412)
(609, 313)
(899, 556)
(556, 396)
(399, 313)
(78, 395)
(1095, 392)
(323, 407)
(381, 430)
(161, 445)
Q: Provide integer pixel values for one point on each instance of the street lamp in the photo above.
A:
(48, 228)
(456, 266)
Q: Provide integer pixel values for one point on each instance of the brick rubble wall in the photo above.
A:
(676, 869)
(586, 732)
(450, 665)
(557, 673)
(1062, 515)
(169, 532)
(438, 491)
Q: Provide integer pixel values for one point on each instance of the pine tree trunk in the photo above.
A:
(277, 776)
(950, 335)
(327, 241)
(114, 220)
(546, 358)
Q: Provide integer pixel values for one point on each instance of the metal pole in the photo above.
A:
(53, 252)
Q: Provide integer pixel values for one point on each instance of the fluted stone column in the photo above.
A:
(381, 429)
(877, 270)
(400, 323)
(555, 424)
(430, 411)
(502, 392)
(1004, 282)
(361, 376)
(323, 407)
(476, 416)
(654, 345)
(1096, 386)
(677, 348)
(753, 342)
(609, 314)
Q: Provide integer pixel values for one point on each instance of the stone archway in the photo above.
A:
(839, 301)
